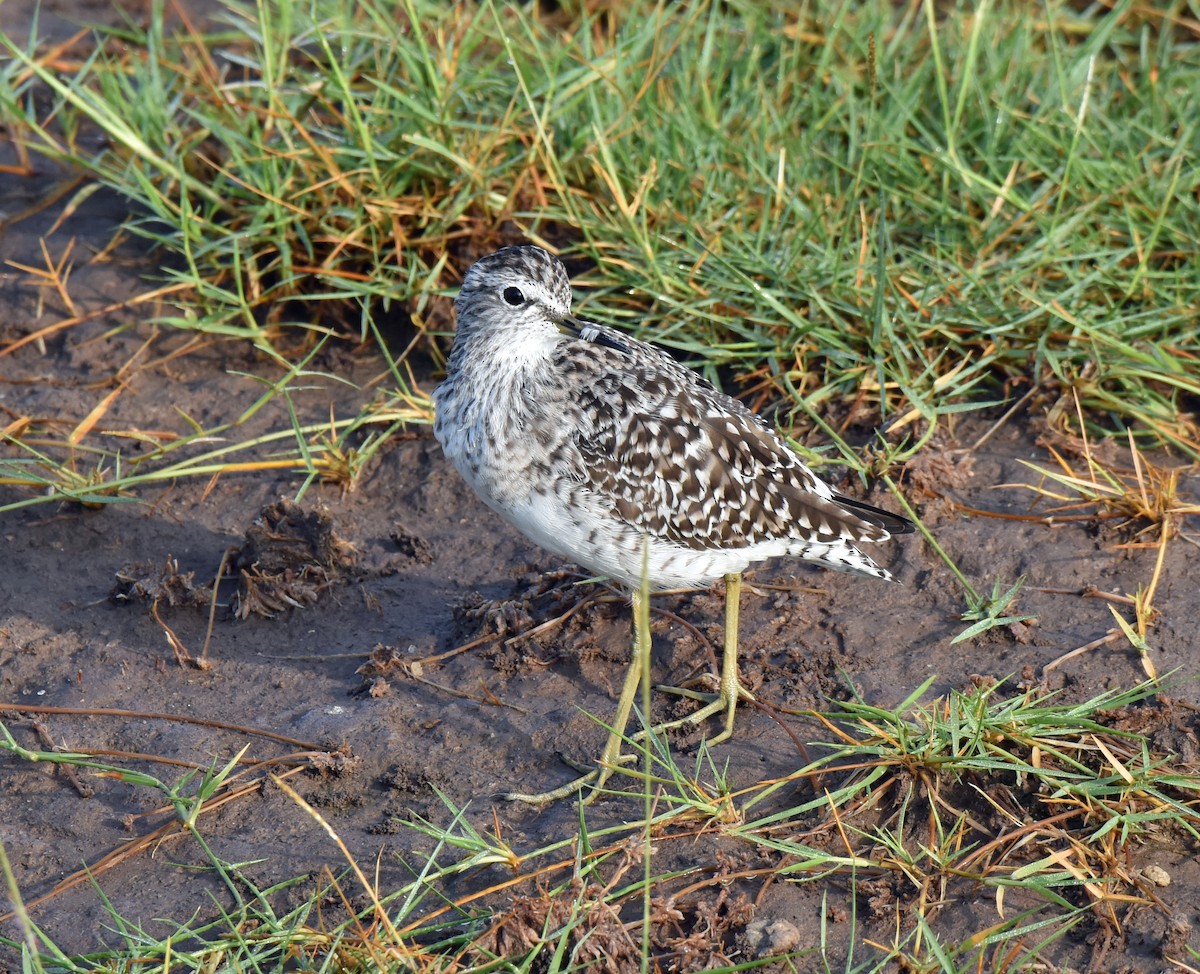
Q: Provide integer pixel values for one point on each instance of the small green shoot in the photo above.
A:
(987, 612)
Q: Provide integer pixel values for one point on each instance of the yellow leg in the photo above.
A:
(612, 757)
(730, 688)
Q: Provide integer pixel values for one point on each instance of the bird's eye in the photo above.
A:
(514, 296)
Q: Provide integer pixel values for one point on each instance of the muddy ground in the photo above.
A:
(432, 569)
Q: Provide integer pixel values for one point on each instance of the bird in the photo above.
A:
(603, 449)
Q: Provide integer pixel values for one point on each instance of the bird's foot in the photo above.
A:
(725, 701)
(593, 778)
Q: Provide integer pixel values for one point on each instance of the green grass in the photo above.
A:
(883, 206)
(1038, 805)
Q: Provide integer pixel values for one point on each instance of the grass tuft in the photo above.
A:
(1041, 804)
(856, 206)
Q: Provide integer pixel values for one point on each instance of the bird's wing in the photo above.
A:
(686, 463)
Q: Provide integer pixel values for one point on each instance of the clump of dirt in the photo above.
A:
(384, 661)
(411, 545)
(159, 583)
(596, 934)
(290, 557)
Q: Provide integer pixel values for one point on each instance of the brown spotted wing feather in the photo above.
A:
(686, 463)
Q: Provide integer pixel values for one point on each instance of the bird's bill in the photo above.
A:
(589, 332)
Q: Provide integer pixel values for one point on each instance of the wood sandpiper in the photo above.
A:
(605, 450)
